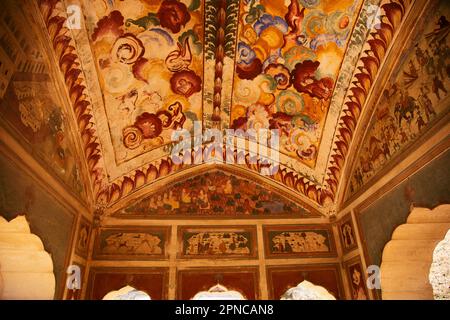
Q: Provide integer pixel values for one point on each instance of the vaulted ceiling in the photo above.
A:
(137, 70)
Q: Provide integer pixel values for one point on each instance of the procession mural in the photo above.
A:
(415, 97)
(218, 242)
(30, 107)
(347, 234)
(131, 244)
(215, 193)
(149, 57)
(282, 241)
(288, 57)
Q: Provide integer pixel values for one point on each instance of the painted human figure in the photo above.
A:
(426, 102)
(348, 235)
(358, 287)
(438, 85)
(420, 121)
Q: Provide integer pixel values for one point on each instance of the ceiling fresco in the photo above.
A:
(287, 62)
(30, 105)
(215, 194)
(149, 59)
(414, 99)
(137, 70)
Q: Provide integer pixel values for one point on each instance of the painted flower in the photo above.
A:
(290, 103)
(281, 75)
(309, 3)
(127, 49)
(266, 20)
(185, 83)
(249, 34)
(149, 124)
(247, 91)
(245, 54)
(249, 71)
(304, 80)
(273, 37)
(298, 54)
(173, 15)
(258, 118)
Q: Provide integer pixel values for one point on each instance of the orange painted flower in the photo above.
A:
(281, 75)
(185, 83)
(127, 49)
(149, 124)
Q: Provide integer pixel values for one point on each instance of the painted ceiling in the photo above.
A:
(137, 70)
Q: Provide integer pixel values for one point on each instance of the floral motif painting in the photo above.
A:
(212, 241)
(131, 244)
(30, 105)
(213, 194)
(413, 100)
(285, 241)
(149, 56)
(287, 61)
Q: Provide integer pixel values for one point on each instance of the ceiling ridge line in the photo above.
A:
(65, 48)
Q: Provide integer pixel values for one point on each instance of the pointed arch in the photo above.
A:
(20, 279)
(407, 258)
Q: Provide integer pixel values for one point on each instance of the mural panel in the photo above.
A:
(207, 242)
(299, 241)
(243, 280)
(280, 279)
(30, 107)
(356, 278)
(347, 234)
(215, 194)
(149, 58)
(288, 57)
(131, 243)
(83, 238)
(414, 98)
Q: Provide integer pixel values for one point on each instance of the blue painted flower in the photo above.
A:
(245, 54)
(266, 20)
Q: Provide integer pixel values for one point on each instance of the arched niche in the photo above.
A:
(127, 293)
(439, 275)
(219, 292)
(306, 290)
(26, 269)
(407, 258)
